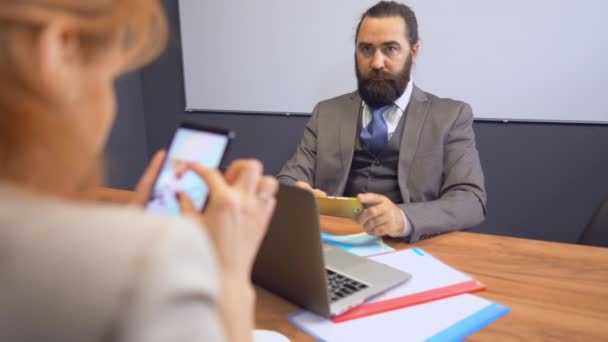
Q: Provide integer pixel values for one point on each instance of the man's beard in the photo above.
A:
(379, 93)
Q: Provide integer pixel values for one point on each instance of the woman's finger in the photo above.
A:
(234, 170)
(186, 206)
(267, 187)
(249, 176)
(146, 182)
(213, 178)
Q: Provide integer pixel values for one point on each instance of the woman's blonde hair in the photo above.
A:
(136, 28)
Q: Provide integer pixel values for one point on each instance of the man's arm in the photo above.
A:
(462, 199)
(301, 166)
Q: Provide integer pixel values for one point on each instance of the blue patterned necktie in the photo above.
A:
(375, 135)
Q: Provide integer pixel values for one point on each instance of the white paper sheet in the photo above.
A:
(415, 323)
(427, 272)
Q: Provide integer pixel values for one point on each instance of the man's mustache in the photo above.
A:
(380, 76)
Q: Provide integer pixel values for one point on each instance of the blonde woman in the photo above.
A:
(77, 271)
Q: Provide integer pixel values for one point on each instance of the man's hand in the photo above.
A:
(304, 185)
(382, 217)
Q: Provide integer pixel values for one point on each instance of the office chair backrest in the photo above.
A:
(596, 232)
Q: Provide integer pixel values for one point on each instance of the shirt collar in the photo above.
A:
(404, 99)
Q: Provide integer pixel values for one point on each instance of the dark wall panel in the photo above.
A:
(543, 181)
(126, 150)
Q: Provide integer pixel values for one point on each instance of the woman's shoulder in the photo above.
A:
(89, 234)
(68, 256)
(34, 212)
(93, 231)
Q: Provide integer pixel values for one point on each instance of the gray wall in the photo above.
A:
(544, 180)
(506, 58)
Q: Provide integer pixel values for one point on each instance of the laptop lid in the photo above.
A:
(290, 259)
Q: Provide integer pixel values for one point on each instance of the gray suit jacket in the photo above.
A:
(73, 273)
(439, 172)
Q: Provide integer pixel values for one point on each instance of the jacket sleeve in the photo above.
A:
(462, 198)
(175, 296)
(301, 166)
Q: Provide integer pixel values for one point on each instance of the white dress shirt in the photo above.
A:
(392, 115)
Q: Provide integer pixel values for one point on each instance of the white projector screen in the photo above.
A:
(521, 60)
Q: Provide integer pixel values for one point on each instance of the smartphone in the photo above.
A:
(191, 143)
(348, 207)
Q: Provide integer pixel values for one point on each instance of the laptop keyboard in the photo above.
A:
(340, 286)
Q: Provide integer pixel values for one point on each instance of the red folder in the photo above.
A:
(413, 299)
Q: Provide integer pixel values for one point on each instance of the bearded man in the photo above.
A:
(407, 155)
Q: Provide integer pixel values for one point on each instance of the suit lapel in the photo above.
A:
(347, 134)
(416, 114)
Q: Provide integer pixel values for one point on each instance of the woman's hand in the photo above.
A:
(143, 190)
(238, 211)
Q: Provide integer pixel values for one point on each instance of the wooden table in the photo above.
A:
(556, 291)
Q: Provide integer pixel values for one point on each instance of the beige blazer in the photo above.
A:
(439, 172)
(74, 273)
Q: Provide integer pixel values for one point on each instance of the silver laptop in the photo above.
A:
(293, 262)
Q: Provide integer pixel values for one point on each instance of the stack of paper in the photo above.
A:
(431, 280)
(449, 319)
(433, 305)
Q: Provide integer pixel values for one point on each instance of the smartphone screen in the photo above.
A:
(190, 143)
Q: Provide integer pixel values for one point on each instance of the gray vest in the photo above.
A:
(377, 174)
